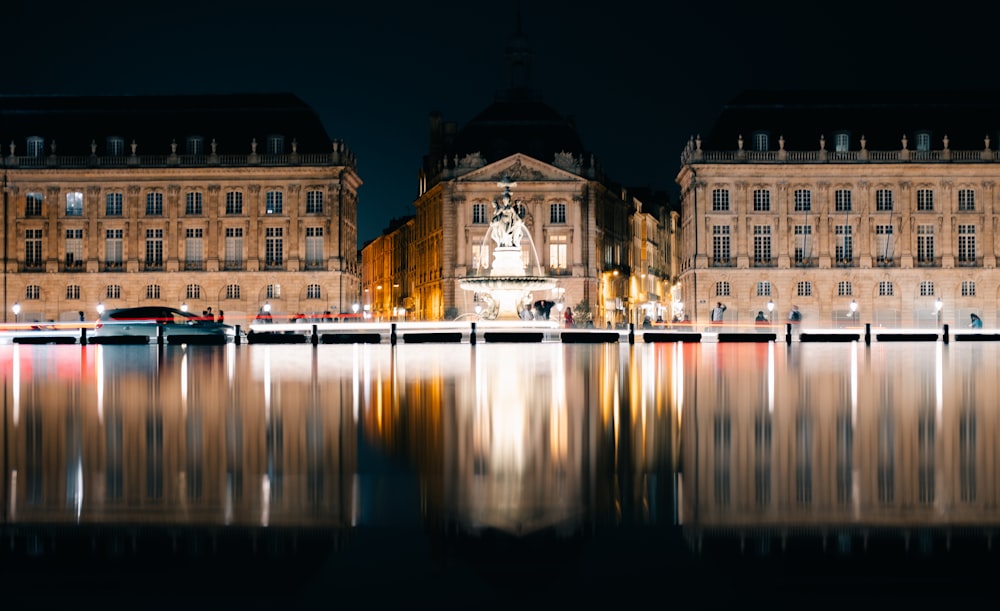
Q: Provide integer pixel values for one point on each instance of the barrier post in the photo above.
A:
(945, 335)
(472, 335)
(83, 336)
(236, 340)
(631, 333)
(392, 334)
(788, 333)
(315, 335)
(868, 334)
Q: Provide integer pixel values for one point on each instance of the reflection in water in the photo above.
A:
(731, 445)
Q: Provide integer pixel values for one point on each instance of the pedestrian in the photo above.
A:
(568, 318)
(222, 317)
(795, 317)
(717, 313)
(976, 323)
(761, 319)
(81, 316)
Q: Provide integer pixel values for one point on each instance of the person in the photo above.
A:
(81, 316)
(222, 317)
(568, 318)
(761, 319)
(795, 316)
(717, 313)
(977, 323)
(646, 323)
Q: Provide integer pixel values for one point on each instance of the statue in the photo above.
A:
(508, 220)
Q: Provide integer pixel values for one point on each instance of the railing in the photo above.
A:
(722, 262)
(113, 266)
(340, 155)
(968, 262)
(844, 262)
(763, 262)
(805, 262)
(33, 266)
(860, 156)
(885, 262)
(152, 266)
(315, 265)
(234, 266)
(928, 262)
(73, 266)
(192, 266)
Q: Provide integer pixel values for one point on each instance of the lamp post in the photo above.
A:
(937, 310)
(184, 306)
(17, 310)
(770, 311)
(854, 310)
(100, 308)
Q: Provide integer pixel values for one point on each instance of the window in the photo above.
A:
(842, 200)
(275, 203)
(154, 204)
(152, 291)
(234, 248)
(804, 289)
(73, 291)
(195, 145)
(966, 200)
(803, 244)
(841, 142)
(762, 246)
(923, 141)
(193, 248)
(234, 202)
(314, 247)
(154, 249)
(844, 246)
(273, 291)
(74, 249)
(764, 288)
(275, 145)
(845, 288)
(33, 249)
(761, 200)
(32, 291)
(885, 288)
(720, 200)
(192, 291)
(557, 213)
(926, 289)
(966, 244)
(803, 200)
(884, 244)
(722, 289)
(720, 245)
(760, 141)
(925, 244)
(33, 204)
(113, 291)
(36, 146)
(74, 203)
(115, 146)
(192, 206)
(883, 200)
(313, 292)
(113, 204)
(558, 246)
(480, 256)
(968, 288)
(314, 202)
(232, 291)
(479, 213)
(925, 200)
(274, 247)
(113, 249)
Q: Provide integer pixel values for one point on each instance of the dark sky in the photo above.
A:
(638, 76)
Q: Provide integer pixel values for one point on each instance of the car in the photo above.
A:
(148, 323)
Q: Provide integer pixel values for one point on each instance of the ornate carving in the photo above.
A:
(518, 171)
(255, 189)
(566, 161)
(294, 189)
(93, 190)
(214, 188)
(133, 189)
(472, 161)
(173, 190)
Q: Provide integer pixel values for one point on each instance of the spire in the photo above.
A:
(518, 56)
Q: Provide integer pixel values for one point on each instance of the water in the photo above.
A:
(455, 476)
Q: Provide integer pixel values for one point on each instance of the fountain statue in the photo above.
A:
(508, 286)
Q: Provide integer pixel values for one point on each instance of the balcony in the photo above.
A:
(968, 262)
(274, 265)
(152, 265)
(192, 266)
(113, 266)
(233, 266)
(33, 265)
(885, 262)
(805, 262)
(764, 262)
(844, 262)
(315, 265)
(722, 262)
(73, 265)
(928, 261)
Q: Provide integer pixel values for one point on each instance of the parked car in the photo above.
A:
(143, 324)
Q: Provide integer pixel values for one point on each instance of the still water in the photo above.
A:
(493, 475)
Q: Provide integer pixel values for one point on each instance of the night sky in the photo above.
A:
(639, 77)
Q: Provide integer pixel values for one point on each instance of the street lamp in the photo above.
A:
(17, 310)
(770, 311)
(854, 309)
(937, 309)
(100, 308)
(184, 306)
(356, 307)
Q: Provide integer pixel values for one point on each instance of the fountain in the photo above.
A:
(508, 285)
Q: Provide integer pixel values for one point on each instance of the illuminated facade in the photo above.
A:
(208, 201)
(878, 209)
(580, 226)
(387, 281)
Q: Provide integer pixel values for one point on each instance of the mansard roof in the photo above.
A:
(154, 121)
(882, 117)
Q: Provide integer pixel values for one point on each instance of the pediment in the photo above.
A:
(519, 168)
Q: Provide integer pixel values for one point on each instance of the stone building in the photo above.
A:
(578, 223)
(873, 207)
(221, 201)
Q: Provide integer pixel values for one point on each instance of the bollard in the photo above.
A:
(83, 336)
(868, 334)
(159, 335)
(944, 337)
(236, 340)
(788, 333)
(472, 335)
(315, 335)
(392, 334)
(631, 333)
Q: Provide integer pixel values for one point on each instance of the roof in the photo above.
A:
(882, 117)
(153, 122)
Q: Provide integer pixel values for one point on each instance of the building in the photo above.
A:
(579, 223)
(221, 201)
(388, 279)
(858, 208)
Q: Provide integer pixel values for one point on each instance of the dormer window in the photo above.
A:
(923, 141)
(841, 142)
(36, 146)
(116, 146)
(275, 145)
(195, 145)
(761, 141)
